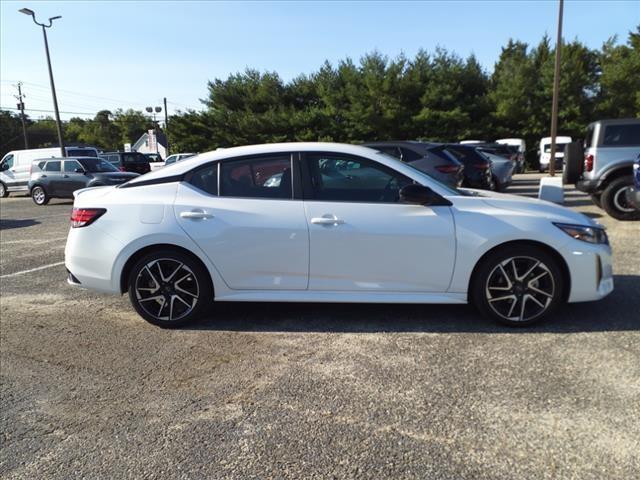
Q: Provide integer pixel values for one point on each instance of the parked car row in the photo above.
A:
(454, 164)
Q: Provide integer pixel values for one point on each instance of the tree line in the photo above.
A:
(435, 96)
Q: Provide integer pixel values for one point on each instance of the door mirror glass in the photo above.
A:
(4, 166)
(418, 194)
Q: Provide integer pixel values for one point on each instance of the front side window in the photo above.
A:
(7, 162)
(340, 178)
(70, 166)
(263, 177)
(206, 179)
(52, 166)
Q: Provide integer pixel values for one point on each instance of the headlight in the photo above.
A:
(586, 234)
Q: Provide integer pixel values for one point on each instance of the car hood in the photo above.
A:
(534, 207)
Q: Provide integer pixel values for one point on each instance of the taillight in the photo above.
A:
(588, 163)
(81, 217)
(481, 166)
(447, 168)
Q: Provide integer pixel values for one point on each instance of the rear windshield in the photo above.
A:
(97, 165)
(621, 135)
(81, 152)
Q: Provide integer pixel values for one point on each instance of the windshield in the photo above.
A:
(559, 147)
(81, 152)
(450, 190)
(97, 165)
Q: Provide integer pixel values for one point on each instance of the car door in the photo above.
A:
(363, 239)
(7, 173)
(51, 177)
(252, 228)
(71, 180)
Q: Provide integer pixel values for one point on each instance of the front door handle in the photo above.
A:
(327, 219)
(196, 215)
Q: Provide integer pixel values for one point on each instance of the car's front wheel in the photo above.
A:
(39, 195)
(517, 285)
(169, 288)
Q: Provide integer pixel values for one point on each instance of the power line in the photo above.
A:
(47, 111)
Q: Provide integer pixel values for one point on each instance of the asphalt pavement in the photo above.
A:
(90, 390)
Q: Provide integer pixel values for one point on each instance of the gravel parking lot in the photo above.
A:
(309, 390)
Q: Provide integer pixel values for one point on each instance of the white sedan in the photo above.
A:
(323, 222)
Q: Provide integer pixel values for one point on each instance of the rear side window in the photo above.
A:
(52, 166)
(409, 155)
(621, 135)
(393, 151)
(206, 179)
(264, 177)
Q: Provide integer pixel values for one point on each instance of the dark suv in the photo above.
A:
(425, 157)
(477, 168)
(135, 162)
(60, 177)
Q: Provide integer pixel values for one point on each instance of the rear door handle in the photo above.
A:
(196, 215)
(327, 219)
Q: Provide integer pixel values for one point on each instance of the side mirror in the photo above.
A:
(418, 194)
(79, 170)
(4, 166)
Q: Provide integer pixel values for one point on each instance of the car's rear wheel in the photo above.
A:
(169, 288)
(517, 285)
(39, 195)
(614, 199)
(3, 190)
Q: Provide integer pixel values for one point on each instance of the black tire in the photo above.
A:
(596, 198)
(544, 284)
(39, 195)
(4, 193)
(541, 169)
(159, 269)
(573, 162)
(614, 200)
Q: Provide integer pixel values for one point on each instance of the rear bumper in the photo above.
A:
(588, 186)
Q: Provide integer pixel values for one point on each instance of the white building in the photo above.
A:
(154, 141)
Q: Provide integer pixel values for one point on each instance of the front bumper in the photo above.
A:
(590, 270)
(633, 197)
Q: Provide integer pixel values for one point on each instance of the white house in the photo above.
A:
(154, 141)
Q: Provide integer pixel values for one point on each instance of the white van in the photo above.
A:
(545, 152)
(15, 166)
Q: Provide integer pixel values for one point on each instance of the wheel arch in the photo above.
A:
(614, 173)
(134, 257)
(562, 264)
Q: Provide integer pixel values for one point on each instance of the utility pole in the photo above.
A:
(556, 91)
(166, 125)
(21, 108)
(26, 11)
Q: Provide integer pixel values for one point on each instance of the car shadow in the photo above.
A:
(9, 224)
(614, 313)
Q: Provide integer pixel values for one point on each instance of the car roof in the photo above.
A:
(182, 167)
(616, 121)
(75, 157)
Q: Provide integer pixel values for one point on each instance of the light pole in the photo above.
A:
(556, 93)
(155, 110)
(26, 11)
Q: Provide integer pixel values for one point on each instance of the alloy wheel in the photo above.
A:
(167, 289)
(39, 196)
(520, 289)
